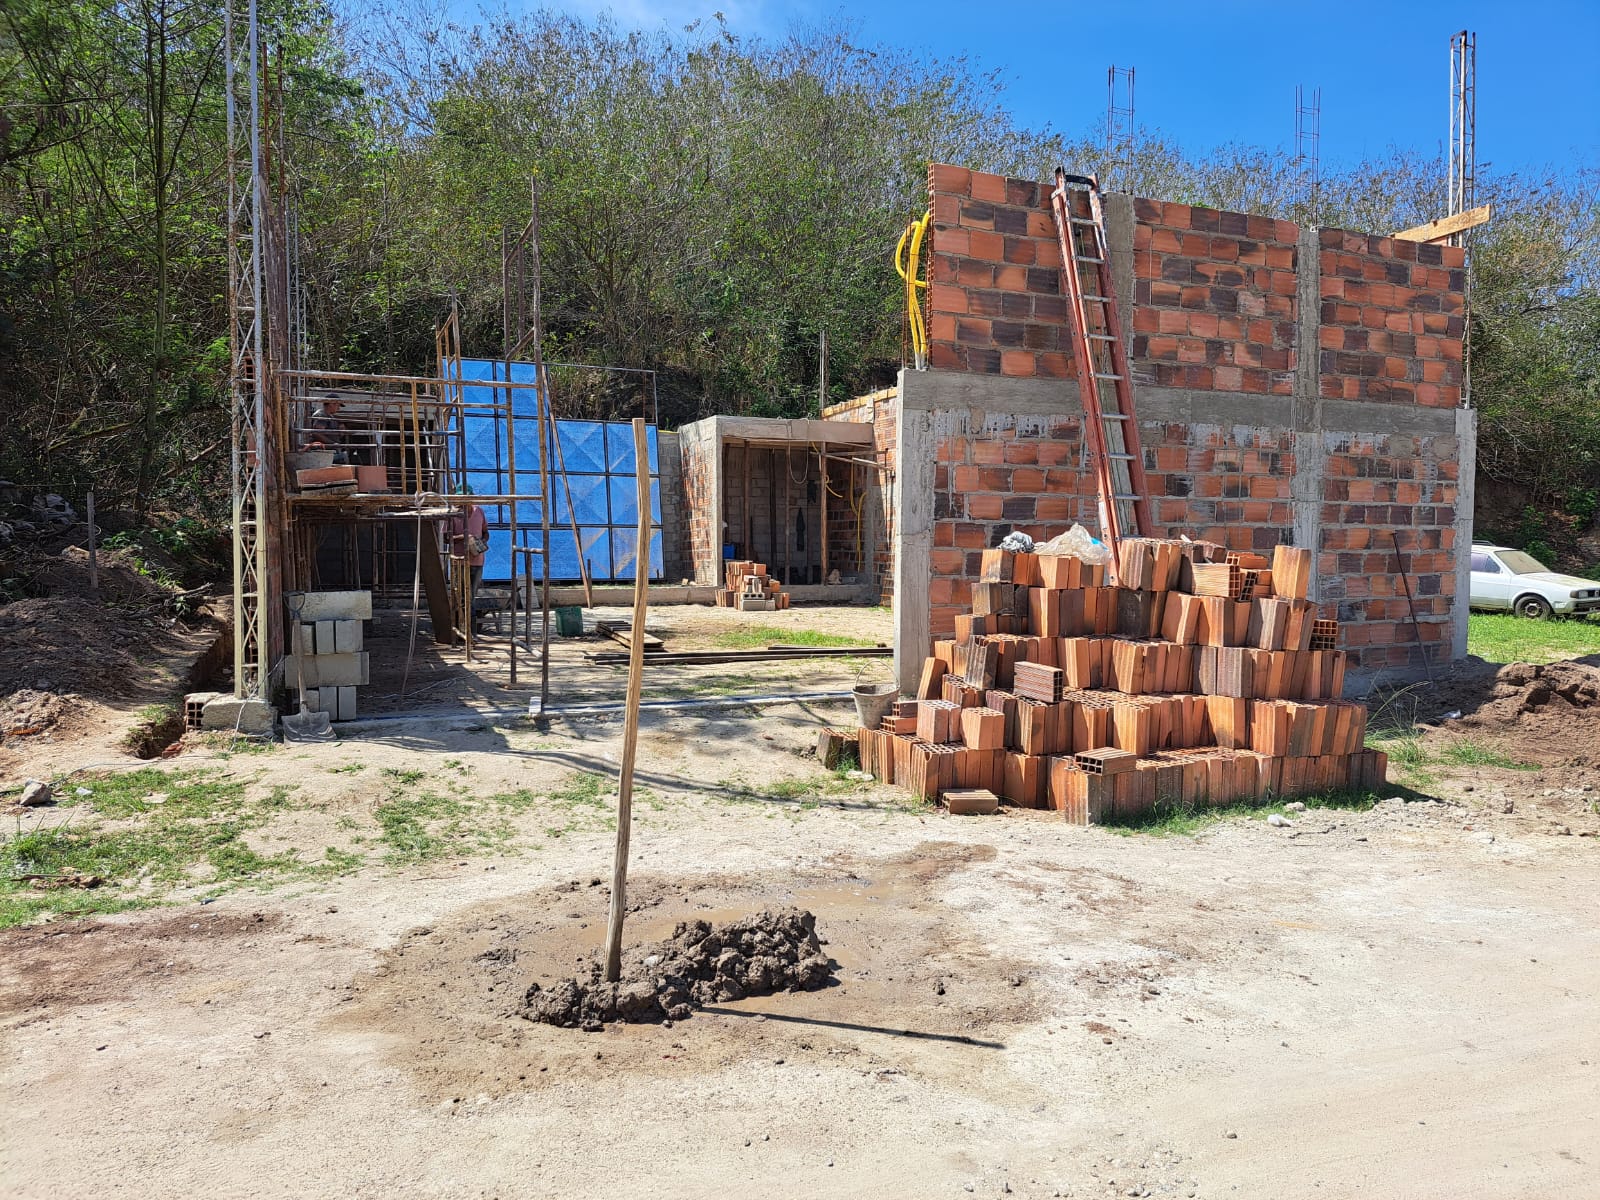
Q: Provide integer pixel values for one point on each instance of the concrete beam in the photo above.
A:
(1467, 464)
(1310, 448)
(913, 543)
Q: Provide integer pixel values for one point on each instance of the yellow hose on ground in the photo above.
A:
(905, 265)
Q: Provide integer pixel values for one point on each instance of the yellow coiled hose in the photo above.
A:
(906, 256)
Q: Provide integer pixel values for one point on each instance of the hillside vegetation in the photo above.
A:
(711, 205)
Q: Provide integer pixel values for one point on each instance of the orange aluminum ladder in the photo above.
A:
(1101, 356)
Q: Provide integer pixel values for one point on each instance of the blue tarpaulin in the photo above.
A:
(601, 477)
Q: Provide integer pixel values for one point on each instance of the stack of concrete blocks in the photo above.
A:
(327, 644)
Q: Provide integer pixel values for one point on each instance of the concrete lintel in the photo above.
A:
(928, 391)
(1187, 406)
(800, 431)
(1357, 416)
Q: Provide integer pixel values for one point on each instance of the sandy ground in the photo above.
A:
(1393, 1003)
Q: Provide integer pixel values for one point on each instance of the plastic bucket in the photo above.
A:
(569, 621)
(873, 702)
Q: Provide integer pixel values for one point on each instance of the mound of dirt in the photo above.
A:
(27, 712)
(699, 964)
(1547, 713)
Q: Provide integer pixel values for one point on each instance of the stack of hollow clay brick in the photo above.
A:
(748, 588)
(1203, 678)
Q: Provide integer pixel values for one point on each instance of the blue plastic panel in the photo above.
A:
(583, 443)
(619, 448)
(599, 463)
(588, 494)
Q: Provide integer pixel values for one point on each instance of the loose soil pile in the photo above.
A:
(1548, 714)
(699, 964)
(61, 652)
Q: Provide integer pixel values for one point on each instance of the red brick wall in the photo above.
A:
(1392, 318)
(994, 278)
(876, 408)
(705, 522)
(1372, 485)
(1214, 299)
(1215, 308)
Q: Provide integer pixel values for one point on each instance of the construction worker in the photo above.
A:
(467, 531)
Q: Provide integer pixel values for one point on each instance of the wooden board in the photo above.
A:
(622, 633)
(1445, 226)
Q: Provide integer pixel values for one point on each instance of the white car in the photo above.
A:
(1515, 581)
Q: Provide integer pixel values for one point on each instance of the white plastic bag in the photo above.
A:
(1080, 544)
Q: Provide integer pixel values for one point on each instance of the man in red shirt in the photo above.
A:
(468, 533)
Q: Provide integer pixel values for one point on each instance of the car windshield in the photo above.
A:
(1519, 563)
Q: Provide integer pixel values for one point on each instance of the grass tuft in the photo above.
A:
(144, 833)
(759, 637)
(1174, 819)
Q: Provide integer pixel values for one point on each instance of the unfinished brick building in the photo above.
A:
(1293, 385)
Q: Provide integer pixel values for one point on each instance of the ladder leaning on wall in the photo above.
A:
(1111, 429)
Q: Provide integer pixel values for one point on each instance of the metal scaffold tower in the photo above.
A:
(247, 380)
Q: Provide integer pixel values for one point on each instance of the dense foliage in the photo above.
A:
(711, 206)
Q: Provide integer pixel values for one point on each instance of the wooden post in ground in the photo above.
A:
(630, 731)
(94, 562)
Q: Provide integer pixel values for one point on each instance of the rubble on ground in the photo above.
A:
(700, 964)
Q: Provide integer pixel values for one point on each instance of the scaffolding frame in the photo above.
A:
(273, 392)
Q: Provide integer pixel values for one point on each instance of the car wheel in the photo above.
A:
(1536, 607)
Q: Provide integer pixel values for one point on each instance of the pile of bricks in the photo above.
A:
(748, 588)
(1203, 678)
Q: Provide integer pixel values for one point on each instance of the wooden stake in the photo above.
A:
(94, 562)
(630, 732)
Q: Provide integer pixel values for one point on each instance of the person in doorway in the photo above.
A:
(467, 531)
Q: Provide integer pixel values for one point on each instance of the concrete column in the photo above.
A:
(1310, 452)
(1119, 244)
(913, 541)
(1466, 488)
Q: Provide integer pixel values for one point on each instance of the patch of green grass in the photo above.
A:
(1412, 759)
(429, 825)
(759, 637)
(404, 777)
(1170, 819)
(583, 787)
(1501, 637)
(347, 769)
(803, 794)
(144, 833)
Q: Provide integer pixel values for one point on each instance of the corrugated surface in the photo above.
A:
(600, 469)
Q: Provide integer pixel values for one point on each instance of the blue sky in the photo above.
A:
(1213, 71)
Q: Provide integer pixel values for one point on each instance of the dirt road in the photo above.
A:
(1394, 1003)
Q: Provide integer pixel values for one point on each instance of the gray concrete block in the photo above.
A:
(347, 704)
(328, 700)
(329, 670)
(302, 640)
(325, 638)
(336, 606)
(346, 637)
(253, 717)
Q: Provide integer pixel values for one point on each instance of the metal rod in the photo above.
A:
(1405, 582)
